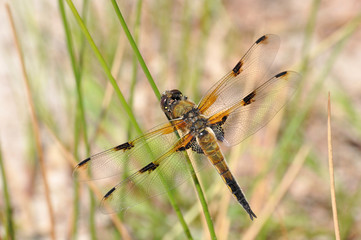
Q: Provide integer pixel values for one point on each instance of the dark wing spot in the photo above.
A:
(82, 163)
(237, 69)
(124, 146)
(149, 168)
(281, 74)
(261, 39)
(109, 193)
(249, 98)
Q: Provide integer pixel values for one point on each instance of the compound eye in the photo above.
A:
(176, 94)
(164, 102)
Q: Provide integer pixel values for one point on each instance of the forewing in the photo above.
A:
(256, 109)
(157, 177)
(248, 73)
(132, 155)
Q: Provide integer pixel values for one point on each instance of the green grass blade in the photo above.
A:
(310, 27)
(157, 93)
(9, 225)
(135, 49)
(80, 109)
(104, 65)
(134, 62)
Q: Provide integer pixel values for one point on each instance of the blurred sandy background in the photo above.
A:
(212, 49)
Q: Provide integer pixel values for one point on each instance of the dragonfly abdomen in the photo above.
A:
(237, 193)
(208, 142)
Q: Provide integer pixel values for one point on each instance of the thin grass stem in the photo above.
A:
(310, 27)
(114, 84)
(35, 125)
(134, 62)
(104, 65)
(9, 225)
(330, 167)
(157, 93)
(135, 49)
(77, 70)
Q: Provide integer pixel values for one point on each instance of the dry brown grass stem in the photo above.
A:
(330, 167)
(34, 123)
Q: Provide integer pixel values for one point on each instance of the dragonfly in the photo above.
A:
(234, 108)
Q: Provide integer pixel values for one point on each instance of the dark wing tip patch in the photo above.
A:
(261, 39)
(124, 146)
(83, 163)
(249, 98)
(149, 168)
(237, 69)
(108, 194)
(281, 74)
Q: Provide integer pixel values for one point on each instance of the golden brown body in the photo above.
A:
(176, 106)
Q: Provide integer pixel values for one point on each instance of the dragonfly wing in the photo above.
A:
(132, 155)
(255, 110)
(154, 178)
(248, 73)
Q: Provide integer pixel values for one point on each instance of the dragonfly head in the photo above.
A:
(169, 100)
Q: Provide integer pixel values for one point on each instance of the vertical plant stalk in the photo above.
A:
(157, 93)
(9, 226)
(310, 27)
(77, 75)
(134, 60)
(330, 167)
(35, 125)
(135, 49)
(203, 202)
(105, 68)
(104, 65)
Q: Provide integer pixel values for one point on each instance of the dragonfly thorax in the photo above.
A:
(174, 104)
(196, 122)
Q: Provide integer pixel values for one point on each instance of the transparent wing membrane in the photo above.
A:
(248, 73)
(131, 156)
(257, 108)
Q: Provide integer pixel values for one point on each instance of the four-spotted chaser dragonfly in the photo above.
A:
(234, 108)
